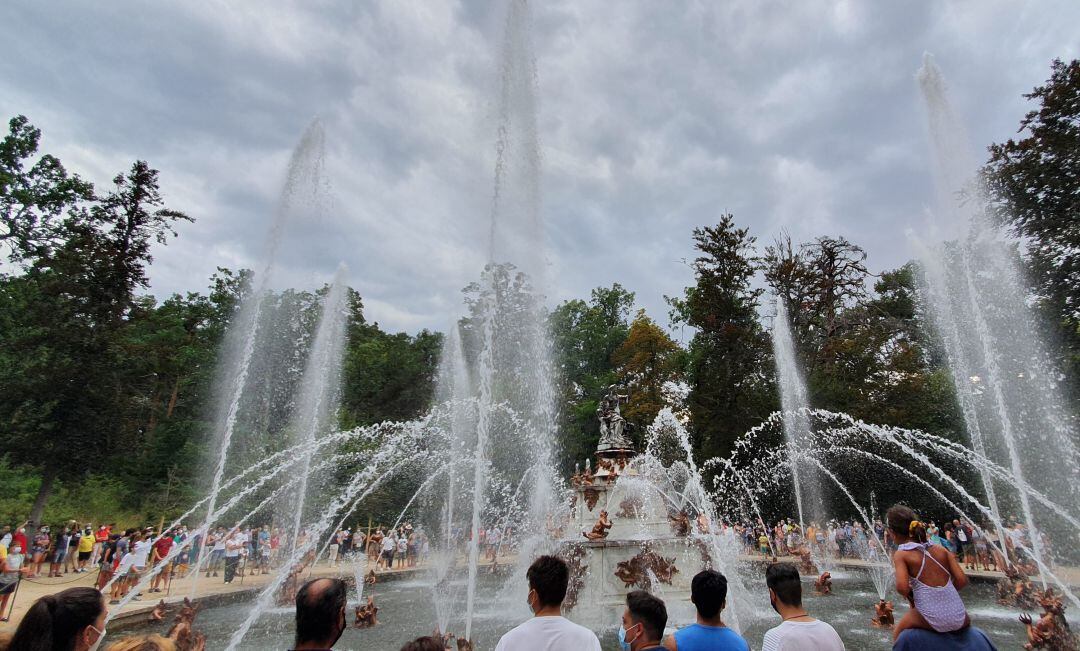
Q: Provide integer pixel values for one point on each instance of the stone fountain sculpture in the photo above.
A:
(623, 533)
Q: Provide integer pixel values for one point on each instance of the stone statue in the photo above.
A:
(366, 614)
(613, 427)
(823, 585)
(883, 614)
(600, 529)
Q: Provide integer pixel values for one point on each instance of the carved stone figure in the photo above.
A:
(600, 529)
(1016, 589)
(702, 523)
(636, 571)
(613, 427)
(806, 563)
(883, 614)
(591, 497)
(1050, 631)
(823, 584)
(680, 523)
(366, 614)
(182, 632)
(629, 507)
(158, 613)
(573, 555)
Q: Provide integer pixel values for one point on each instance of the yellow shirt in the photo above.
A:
(86, 543)
(3, 552)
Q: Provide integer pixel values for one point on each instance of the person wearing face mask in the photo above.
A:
(72, 619)
(643, 622)
(548, 630)
(708, 592)
(12, 569)
(798, 631)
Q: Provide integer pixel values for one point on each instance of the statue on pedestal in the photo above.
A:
(613, 427)
(600, 529)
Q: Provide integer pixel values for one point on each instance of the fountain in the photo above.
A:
(975, 297)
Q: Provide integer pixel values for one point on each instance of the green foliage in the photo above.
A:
(1034, 187)
(729, 367)
(585, 337)
(645, 361)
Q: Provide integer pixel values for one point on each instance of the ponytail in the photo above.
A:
(54, 621)
(902, 522)
(917, 531)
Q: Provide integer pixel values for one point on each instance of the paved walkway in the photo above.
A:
(30, 590)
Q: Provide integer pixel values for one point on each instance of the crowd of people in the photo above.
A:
(977, 547)
(927, 574)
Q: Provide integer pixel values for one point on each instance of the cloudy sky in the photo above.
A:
(654, 117)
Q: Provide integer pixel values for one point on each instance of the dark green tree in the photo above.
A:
(1034, 186)
(585, 335)
(34, 197)
(729, 366)
(63, 369)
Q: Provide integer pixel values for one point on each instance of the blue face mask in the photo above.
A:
(623, 644)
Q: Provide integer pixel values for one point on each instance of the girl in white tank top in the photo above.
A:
(930, 584)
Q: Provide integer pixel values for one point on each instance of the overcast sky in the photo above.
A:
(654, 117)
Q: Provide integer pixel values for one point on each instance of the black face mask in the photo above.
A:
(772, 602)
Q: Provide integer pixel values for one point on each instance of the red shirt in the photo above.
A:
(19, 538)
(102, 534)
(162, 545)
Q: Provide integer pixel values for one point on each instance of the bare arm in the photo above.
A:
(958, 577)
(903, 579)
(669, 643)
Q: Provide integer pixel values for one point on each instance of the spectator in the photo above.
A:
(920, 639)
(320, 614)
(86, 547)
(548, 630)
(72, 619)
(708, 592)
(161, 548)
(11, 570)
(643, 622)
(59, 552)
(233, 543)
(798, 630)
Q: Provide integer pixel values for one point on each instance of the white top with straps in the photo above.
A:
(940, 606)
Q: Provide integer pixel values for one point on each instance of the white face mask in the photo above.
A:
(101, 637)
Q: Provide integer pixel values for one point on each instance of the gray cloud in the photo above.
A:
(654, 119)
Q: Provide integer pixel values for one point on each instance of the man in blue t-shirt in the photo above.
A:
(708, 591)
(966, 639)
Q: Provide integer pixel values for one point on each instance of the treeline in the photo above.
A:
(105, 392)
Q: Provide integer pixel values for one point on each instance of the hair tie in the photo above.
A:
(914, 524)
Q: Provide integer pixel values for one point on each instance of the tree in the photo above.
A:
(585, 335)
(731, 389)
(33, 201)
(62, 368)
(819, 283)
(1034, 188)
(645, 361)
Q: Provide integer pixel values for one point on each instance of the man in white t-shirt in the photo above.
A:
(798, 631)
(548, 630)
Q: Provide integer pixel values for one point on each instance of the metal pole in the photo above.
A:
(14, 595)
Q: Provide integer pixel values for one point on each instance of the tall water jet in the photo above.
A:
(976, 299)
(303, 182)
(505, 348)
(317, 404)
(794, 400)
